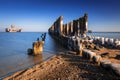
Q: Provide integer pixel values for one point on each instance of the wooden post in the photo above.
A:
(60, 25)
(38, 47)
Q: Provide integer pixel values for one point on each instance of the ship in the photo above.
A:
(89, 31)
(13, 29)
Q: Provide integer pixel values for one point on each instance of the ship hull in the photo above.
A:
(12, 29)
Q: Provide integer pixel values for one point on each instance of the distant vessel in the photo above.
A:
(13, 29)
(89, 31)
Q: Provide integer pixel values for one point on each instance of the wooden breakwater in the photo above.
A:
(69, 34)
(76, 27)
(73, 36)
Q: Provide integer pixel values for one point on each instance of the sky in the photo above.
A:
(39, 15)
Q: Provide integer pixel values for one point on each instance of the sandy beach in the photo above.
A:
(66, 66)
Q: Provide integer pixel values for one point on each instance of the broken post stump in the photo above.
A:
(38, 47)
(30, 51)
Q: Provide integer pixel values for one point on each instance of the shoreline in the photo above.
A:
(22, 69)
(62, 66)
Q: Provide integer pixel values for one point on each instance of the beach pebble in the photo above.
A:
(105, 64)
(115, 67)
(116, 42)
(97, 58)
(96, 48)
(110, 41)
(73, 37)
(91, 55)
(84, 54)
(102, 40)
(98, 38)
(84, 35)
(90, 40)
(88, 54)
(106, 39)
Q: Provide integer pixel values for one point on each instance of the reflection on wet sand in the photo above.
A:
(38, 58)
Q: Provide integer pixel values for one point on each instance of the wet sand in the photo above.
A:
(65, 66)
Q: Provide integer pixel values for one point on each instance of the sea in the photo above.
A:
(13, 51)
(14, 46)
(115, 35)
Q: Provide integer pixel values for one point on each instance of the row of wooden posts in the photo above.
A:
(76, 27)
(70, 34)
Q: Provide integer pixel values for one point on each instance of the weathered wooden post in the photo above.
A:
(38, 47)
(78, 28)
(75, 27)
(60, 25)
(79, 47)
(97, 59)
(85, 25)
(71, 24)
(55, 28)
(70, 28)
(65, 29)
(82, 25)
(43, 36)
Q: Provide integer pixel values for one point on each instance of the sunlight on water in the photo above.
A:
(13, 50)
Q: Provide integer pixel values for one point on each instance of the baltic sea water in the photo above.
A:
(13, 49)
